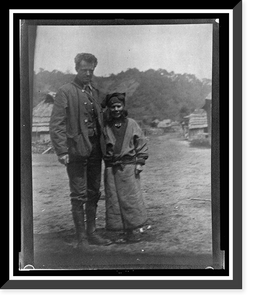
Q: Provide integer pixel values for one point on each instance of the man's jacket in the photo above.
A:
(64, 125)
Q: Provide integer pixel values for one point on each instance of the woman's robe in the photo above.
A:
(125, 208)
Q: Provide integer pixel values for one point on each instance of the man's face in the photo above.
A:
(116, 110)
(85, 71)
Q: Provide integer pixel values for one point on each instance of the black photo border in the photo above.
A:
(222, 151)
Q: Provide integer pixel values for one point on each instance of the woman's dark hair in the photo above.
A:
(120, 96)
(90, 58)
(108, 119)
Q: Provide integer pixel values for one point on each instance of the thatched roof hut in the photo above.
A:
(198, 119)
(164, 123)
(198, 124)
(41, 118)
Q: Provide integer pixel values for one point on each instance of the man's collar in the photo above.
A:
(89, 85)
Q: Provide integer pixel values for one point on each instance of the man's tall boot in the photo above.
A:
(93, 237)
(78, 218)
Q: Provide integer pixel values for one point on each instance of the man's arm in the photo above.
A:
(58, 124)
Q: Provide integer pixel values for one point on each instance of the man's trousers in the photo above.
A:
(85, 177)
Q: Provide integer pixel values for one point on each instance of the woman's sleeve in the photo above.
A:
(140, 144)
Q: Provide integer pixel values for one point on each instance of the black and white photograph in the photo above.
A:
(137, 100)
(121, 146)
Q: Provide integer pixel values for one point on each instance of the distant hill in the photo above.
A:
(152, 94)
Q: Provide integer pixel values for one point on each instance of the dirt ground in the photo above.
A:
(176, 184)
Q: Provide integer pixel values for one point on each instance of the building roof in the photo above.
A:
(208, 103)
(42, 113)
(198, 119)
(164, 123)
(40, 128)
(209, 96)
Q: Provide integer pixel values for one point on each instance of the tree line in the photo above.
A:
(151, 94)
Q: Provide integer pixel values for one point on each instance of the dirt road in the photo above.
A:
(176, 184)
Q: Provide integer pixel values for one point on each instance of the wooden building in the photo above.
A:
(200, 121)
(198, 125)
(41, 118)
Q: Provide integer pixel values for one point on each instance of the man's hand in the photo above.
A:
(138, 169)
(64, 159)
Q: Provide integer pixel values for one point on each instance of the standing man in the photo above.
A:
(75, 128)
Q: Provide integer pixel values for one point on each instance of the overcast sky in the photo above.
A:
(178, 48)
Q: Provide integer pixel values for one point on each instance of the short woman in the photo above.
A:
(124, 155)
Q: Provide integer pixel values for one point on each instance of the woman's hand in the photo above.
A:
(63, 159)
(138, 169)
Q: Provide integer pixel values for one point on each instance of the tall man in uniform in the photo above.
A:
(75, 129)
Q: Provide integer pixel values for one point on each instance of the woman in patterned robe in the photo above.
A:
(125, 154)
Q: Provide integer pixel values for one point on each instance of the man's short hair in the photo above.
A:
(90, 58)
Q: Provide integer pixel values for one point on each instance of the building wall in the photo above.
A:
(193, 133)
(42, 137)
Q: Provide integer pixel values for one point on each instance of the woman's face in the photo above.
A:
(116, 110)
